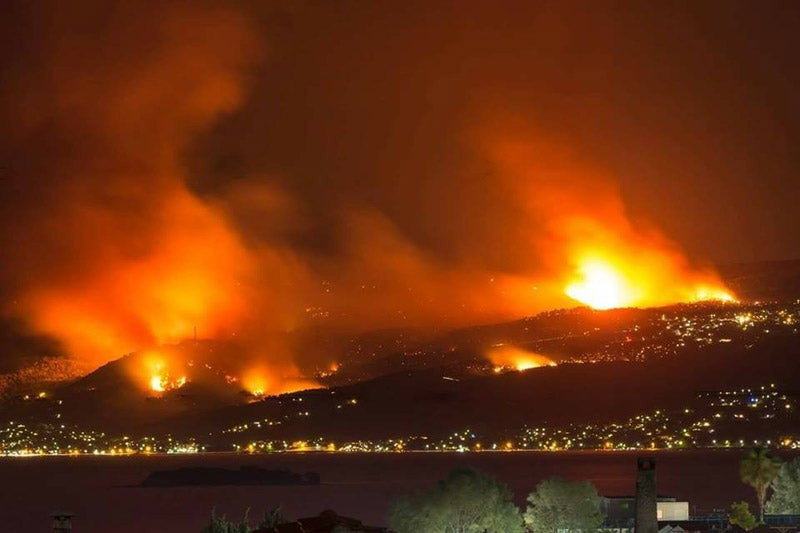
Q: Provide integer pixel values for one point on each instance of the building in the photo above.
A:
(620, 510)
(672, 510)
(645, 509)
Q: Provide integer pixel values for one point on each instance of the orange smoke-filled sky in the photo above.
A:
(252, 169)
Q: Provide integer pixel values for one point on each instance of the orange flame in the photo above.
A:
(155, 371)
(630, 281)
(255, 382)
(594, 250)
(190, 282)
(601, 286)
(162, 383)
(513, 358)
(261, 381)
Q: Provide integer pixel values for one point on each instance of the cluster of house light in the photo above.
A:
(706, 424)
(19, 439)
(659, 335)
(699, 426)
(691, 327)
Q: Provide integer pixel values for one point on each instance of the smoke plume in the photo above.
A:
(165, 182)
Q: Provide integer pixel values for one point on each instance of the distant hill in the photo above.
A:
(426, 403)
(764, 281)
(404, 381)
(116, 398)
(439, 399)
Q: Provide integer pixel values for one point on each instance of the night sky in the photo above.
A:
(692, 109)
(248, 168)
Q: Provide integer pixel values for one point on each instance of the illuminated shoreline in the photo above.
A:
(390, 452)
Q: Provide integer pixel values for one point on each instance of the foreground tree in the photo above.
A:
(466, 502)
(741, 516)
(219, 524)
(557, 504)
(759, 468)
(785, 497)
(272, 518)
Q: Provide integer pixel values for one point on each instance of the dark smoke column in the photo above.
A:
(646, 512)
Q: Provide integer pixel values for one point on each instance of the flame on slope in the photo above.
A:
(190, 281)
(595, 252)
(162, 383)
(263, 381)
(159, 371)
(124, 255)
(255, 381)
(647, 278)
(505, 357)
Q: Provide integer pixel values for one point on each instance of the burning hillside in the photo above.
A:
(127, 240)
(600, 256)
(505, 358)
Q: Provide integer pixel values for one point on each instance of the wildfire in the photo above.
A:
(157, 383)
(189, 283)
(603, 283)
(157, 371)
(331, 370)
(601, 286)
(261, 380)
(162, 383)
(170, 367)
(601, 256)
(255, 382)
(510, 357)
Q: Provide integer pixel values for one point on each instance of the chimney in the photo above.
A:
(646, 510)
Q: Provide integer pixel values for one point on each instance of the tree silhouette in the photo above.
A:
(741, 516)
(785, 497)
(219, 524)
(759, 468)
(558, 505)
(272, 518)
(466, 502)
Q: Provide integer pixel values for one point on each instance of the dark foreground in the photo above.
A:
(101, 493)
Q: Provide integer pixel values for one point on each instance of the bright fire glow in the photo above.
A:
(595, 252)
(190, 284)
(255, 381)
(162, 383)
(512, 358)
(261, 381)
(649, 279)
(155, 369)
(331, 370)
(703, 294)
(168, 368)
(601, 286)
(157, 383)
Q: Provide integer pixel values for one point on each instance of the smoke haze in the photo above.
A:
(247, 171)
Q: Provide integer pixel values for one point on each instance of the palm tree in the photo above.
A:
(759, 468)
